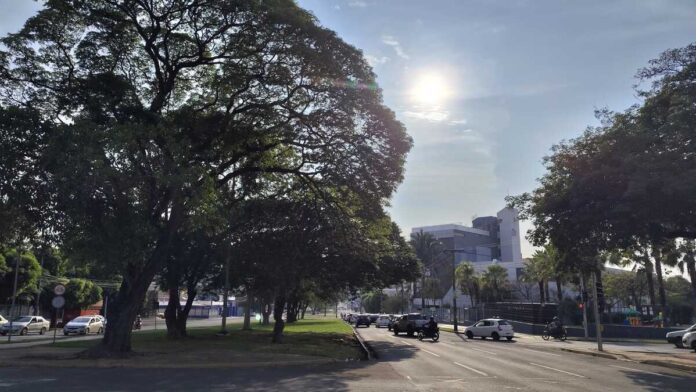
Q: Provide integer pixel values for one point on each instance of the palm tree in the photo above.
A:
(540, 269)
(427, 249)
(495, 279)
(467, 280)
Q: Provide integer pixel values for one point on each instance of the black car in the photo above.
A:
(362, 320)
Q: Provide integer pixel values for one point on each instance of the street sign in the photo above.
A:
(59, 289)
(58, 302)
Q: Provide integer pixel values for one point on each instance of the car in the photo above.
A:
(362, 319)
(393, 318)
(689, 340)
(494, 328)
(675, 337)
(409, 323)
(373, 318)
(23, 325)
(3, 321)
(84, 325)
(382, 321)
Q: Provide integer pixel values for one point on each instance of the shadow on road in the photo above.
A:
(661, 383)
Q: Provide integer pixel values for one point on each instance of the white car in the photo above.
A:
(84, 325)
(494, 328)
(22, 325)
(382, 321)
(3, 321)
(675, 337)
(689, 340)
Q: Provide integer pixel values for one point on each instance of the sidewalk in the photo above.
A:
(647, 352)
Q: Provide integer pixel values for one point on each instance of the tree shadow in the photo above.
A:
(664, 383)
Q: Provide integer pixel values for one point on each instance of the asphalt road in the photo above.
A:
(404, 364)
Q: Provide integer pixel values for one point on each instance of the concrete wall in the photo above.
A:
(609, 331)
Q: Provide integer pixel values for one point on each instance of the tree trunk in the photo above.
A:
(651, 284)
(559, 289)
(175, 316)
(278, 307)
(547, 295)
(541, 292)
(691, 269)
(657, 255)
(247, 312)
(122, 312)
(304, 310)
(266, 313)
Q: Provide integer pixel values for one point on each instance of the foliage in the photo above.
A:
(126, 116)
(494, 283)
(373, 301)
(468, 282)
(27, 279)
(629, 180)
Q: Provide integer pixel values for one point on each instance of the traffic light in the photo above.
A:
(581, 305)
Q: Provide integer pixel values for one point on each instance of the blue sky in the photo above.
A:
(485, 88)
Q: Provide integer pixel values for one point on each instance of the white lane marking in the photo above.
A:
(557, 370)
(483, 351)
(430, 352)
(472, 369)
(446, 344)
(405, 342)
(542, 352)
(640, 371)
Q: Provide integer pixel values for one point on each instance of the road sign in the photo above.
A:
(59, 289)
(58, 302)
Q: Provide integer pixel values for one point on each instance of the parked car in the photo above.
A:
(373, 318)
(409, 323)
(84, 325)
(393, 318)
(3, 321)
(23, 325)
(493, 328)
(382, 321)
(675, 337)
(362, 319)
(353, 318)
(689, 340)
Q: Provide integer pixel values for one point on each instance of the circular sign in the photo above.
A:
(59, 289)
(58, 302)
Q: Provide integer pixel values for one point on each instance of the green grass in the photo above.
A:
(323, 337)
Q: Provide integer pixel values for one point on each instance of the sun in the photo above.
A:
(430, 88)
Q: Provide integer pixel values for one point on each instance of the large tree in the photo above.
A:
(136, 107)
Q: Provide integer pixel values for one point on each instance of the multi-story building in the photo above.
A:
(490, 240)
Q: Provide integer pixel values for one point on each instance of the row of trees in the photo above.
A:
(623, 191)
(197, 142)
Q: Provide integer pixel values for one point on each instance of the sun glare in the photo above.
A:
(430, 89)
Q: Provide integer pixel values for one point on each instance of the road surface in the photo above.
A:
(404, 364)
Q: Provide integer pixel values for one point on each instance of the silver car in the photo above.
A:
(84, 325)
(23, 325)
(3, 321)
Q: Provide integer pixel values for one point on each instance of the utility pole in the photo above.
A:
(598, 323)
(14, 292)
(583, 298)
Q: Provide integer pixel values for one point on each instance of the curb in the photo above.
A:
(671, 365)
(592, 353)
(621, 357)
(364, 345)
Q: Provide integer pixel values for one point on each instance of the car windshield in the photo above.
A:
(82, 320)
(22, 319)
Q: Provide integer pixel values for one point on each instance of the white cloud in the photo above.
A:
(391, 41)
(357, 4)
(337, 7)
(375, 60)
(429, 115)
(458, 122)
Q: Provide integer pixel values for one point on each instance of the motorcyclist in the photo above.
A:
(431, 326)
(138, 322)
(555, 326)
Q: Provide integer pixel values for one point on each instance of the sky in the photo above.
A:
(486, 88)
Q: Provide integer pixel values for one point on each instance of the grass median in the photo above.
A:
(312, 337)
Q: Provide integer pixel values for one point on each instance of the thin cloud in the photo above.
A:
(375, 60)
(357, 4)
(391, 41)
(430, 115)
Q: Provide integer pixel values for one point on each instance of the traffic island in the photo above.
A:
(306, 342)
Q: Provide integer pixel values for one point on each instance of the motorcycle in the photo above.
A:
(562, 335)
(434, 335)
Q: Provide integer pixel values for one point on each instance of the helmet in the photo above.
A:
(555, 318)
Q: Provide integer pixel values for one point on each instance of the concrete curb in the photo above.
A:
(622, 357)
(592, 353)
(364, 345)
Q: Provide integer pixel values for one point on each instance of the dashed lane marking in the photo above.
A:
(430, 352)
(557, 370)
(472, 369)
(483, 351)
(640, 371)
